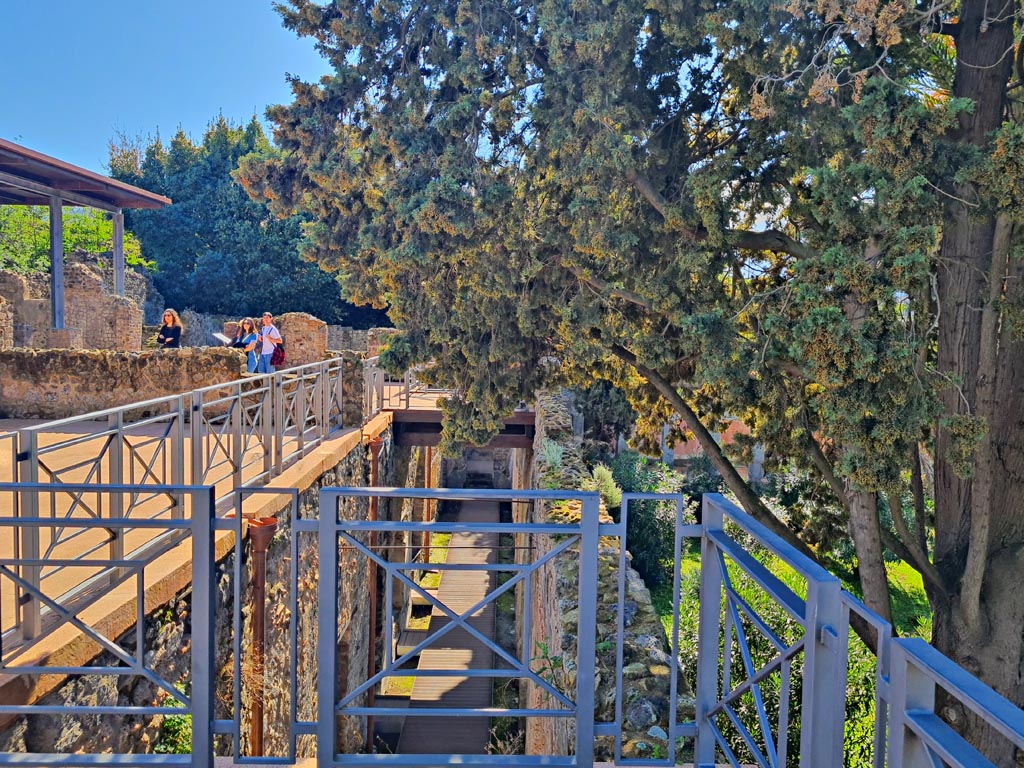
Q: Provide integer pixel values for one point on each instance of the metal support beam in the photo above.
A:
(57, 261)
(119, 253)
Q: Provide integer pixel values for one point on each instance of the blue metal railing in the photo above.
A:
(780, 707)
(233, 435)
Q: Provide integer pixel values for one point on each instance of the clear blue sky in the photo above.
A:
(73, 73)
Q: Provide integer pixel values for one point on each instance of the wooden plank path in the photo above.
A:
(458, 650)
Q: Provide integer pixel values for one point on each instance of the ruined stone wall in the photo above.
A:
(555, 615)
(6, 324)
(99, 318)
(104, 320)
(343, 337)
(353, 617)
(305, 338)
(58, 383)
(375, 338)
(29, 300)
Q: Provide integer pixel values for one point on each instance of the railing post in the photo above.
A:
(177, 452)
(202, 694)
(408, 388)
(299, 404)
(267, 428)
(279, 422)
(327, 632)
(115, 467)
(911, 689)
(237, 417)
(586, 652)
(198, 439)
(322, 399)
(709, 631)
(28, 472)
(823, 702)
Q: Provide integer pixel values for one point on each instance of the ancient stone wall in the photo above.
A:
(343, 337)
(375, 338)
(305, 338)
(104, 320)
(353, 618)
(555, 616)
(6, 324)
(96, 317)
(58, 383)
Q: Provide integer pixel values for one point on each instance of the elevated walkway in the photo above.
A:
(459, 590)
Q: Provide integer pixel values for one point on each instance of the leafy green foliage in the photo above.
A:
(727, 209)
(175, 732)
(602, 480)
(215, 249)
(25, 237)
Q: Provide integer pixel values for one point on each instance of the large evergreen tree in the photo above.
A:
(215, 249)
(806, 214)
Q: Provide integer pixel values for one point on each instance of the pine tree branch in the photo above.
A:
(768, 240)
(747, 498)
(911, 552)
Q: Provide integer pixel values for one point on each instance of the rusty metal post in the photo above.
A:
(261, 533)
(429, 459)
(376, 444)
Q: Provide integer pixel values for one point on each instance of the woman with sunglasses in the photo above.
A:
(170, 332)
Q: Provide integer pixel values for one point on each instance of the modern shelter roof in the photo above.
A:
(32, 178)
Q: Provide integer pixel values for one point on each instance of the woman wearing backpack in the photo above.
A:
(267, 338)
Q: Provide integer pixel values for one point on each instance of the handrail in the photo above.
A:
(231, 435)
(908, 730)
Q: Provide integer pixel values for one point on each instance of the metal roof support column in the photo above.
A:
(119, 252)
(57, 261)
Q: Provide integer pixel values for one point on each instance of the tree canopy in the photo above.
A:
(25, 236)
(215, 249)
(806, 215)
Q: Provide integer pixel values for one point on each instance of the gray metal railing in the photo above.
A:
(238, 434)
(382, 392)
(87, 614)
(783, 706)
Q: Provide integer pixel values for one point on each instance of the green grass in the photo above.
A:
(397, 686)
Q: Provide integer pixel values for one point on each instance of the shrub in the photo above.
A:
(602, 481)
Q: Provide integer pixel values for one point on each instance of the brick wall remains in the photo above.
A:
(104, 320)
(58, 383)
(305, 338)
(343, 337)
(646, 670)
(6, 324)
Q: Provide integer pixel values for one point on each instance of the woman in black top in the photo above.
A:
(170, 331)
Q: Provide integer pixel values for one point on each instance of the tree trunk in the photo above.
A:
(866, 533)
(979, 526)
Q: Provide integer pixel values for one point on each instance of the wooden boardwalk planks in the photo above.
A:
(458, 650)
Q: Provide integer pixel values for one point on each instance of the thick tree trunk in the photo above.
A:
(979, 544)
(866, 533)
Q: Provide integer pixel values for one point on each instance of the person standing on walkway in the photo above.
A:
(170, 332)
(246, 341)
(269, 337)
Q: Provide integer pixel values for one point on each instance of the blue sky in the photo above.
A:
(73, 73)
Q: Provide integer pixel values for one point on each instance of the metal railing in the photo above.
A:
(233, 435)
(87, 614)
(767, 694)
(382, 392)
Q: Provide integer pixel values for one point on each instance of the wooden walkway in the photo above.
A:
(457, 650)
